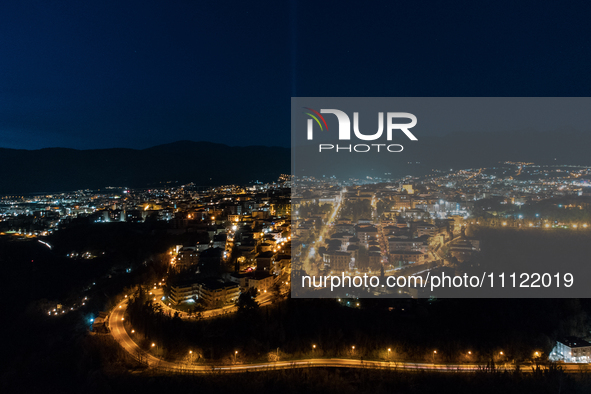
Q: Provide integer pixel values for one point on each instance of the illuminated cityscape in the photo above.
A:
(295, 197)
(416, 224)
(157, 272)
(230, 248)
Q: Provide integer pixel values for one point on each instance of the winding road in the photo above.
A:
(116, 324)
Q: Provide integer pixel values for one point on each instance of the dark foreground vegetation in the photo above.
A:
(97, 374)
(350, 381)
(459, 330)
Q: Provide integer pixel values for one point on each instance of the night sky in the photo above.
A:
(99, 74)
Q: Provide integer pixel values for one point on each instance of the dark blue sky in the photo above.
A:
(98, 74)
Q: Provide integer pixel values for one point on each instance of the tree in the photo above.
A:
(246, 301)
(234, 258)
(276, 292)
(198, 309)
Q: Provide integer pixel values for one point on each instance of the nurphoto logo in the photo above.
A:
(344, 133)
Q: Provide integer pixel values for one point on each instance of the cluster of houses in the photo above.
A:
(246, 249)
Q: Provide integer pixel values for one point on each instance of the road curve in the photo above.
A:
(122, 337)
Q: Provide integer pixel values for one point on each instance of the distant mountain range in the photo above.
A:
(204, 163)
(209, 164)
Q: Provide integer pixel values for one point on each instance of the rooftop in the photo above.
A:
(574, 342)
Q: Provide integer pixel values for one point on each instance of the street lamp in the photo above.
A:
(352, 349)
(434, 353)
(235, 354)
(389, 350)
(190, 356)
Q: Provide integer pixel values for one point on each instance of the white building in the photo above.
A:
(571, 350)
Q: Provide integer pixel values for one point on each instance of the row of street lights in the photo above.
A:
(389, 351)
(352, 350)
(468, 354)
